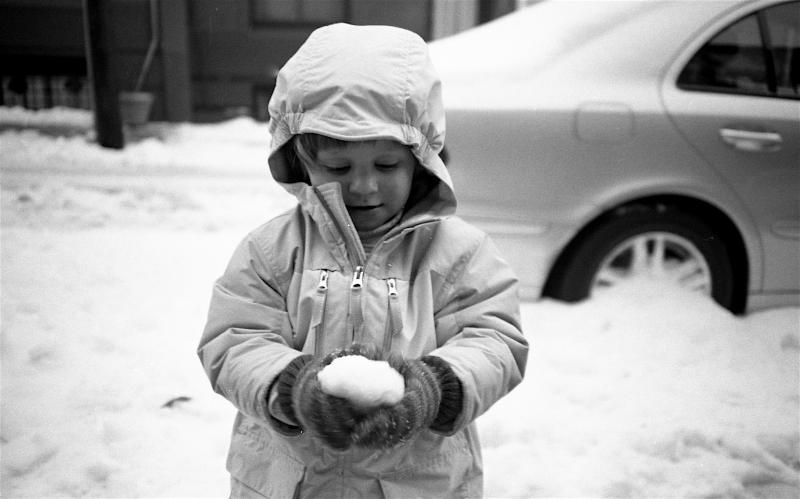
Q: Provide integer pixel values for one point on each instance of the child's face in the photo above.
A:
(375, 176)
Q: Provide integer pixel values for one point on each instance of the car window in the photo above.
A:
(732, 61)
(783, 22)
(757, 55)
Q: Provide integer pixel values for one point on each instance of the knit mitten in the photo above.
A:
(330, 418)
(388, 426)
(284, 384)
(452, 393)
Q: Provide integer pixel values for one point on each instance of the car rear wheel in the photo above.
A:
(638, 241)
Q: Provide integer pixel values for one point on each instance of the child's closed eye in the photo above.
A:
(336, 169)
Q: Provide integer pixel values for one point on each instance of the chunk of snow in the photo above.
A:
(366, 383)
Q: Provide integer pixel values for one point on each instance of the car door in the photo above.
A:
(734, 96)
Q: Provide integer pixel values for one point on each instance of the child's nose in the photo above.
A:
(365, 183)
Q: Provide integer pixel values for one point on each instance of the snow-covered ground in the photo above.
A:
(107, 263)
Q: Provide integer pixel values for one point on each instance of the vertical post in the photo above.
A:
(484, 11)
(107, 119)
(175, 58)
(492, 9)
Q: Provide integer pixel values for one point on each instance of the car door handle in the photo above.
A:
(751, 141)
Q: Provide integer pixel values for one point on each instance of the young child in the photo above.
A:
(371, 262)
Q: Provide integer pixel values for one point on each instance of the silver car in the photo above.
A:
(601, 141)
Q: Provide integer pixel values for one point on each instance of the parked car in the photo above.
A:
(598, 141)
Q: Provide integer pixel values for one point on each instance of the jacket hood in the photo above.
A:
(361, 83)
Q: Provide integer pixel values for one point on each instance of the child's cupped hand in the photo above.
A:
(341, 423)
(387, 426)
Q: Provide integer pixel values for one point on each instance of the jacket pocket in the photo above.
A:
(262, 465)
(452, 472)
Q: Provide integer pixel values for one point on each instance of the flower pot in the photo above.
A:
(135, 107)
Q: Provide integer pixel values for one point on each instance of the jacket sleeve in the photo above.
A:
(246, 341)
(478, 330)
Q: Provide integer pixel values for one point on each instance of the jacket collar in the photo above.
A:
(326, 207)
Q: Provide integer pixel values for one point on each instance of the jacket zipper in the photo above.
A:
(394, 323)
(356, 313)
(318, 317)
(354, 256)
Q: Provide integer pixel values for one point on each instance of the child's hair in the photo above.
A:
(304, 148)
(307, 145)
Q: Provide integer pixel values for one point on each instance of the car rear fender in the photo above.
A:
(694, 199)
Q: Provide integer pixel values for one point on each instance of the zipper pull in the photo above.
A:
(323, 280)
(358, 278)
(392, 284)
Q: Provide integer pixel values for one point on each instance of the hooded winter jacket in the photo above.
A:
(302, 283)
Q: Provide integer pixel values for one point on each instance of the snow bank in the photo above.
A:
(168, 176)
(99, 328)
(649, 392)
(644, 392)
(57, 117)
(237, 146)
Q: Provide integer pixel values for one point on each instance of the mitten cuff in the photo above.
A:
(452, 393)
(283, 385)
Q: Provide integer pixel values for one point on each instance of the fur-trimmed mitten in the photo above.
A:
(432, 398)
(330, 418)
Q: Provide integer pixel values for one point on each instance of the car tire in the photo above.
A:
(667, 242)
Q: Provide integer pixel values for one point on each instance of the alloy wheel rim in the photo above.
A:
(655, 255)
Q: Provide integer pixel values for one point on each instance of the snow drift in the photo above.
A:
(107, 264)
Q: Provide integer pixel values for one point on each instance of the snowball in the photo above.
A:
(366, 383)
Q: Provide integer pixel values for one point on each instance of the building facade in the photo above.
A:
(204, 60)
